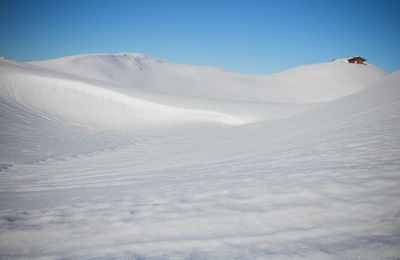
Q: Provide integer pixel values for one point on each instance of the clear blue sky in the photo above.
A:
(257, 37)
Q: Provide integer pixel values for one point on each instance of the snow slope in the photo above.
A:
(85, 103)
(319, 184)
(306, 84)
(133, 91)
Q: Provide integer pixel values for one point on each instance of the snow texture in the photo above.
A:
(129, 157)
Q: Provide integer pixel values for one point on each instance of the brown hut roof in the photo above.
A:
(356, 59)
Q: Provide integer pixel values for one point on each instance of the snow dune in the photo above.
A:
(312, 83)
(134, 91)
(95, 106)
(313, 175)
(306, 84)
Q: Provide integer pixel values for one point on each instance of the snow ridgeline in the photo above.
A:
(134, 91)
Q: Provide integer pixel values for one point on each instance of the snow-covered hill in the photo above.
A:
(306, 84)
(136, 91)
(129, 157)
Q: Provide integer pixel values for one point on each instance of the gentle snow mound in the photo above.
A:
(94, 106)
(134, 91)
(305, 84)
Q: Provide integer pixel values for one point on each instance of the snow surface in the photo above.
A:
(306, 84)
(127, 156)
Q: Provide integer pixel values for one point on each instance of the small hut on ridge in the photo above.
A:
(356, 60)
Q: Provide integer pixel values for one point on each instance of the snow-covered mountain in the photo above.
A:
(127, 156)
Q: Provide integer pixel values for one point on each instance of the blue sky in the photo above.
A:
(257, 37)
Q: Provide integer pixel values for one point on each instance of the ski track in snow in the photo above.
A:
(322, 184)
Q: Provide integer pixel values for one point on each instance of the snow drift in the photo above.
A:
(134, 91)
(306, 84)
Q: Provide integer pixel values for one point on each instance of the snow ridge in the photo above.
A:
(134, 91)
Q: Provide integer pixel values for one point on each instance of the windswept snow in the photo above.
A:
(127, 156)
(95, 106)
(136, 91)
(306, 84)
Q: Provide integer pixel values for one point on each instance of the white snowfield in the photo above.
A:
(136, 91)
(306, 84)
(129, 157)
